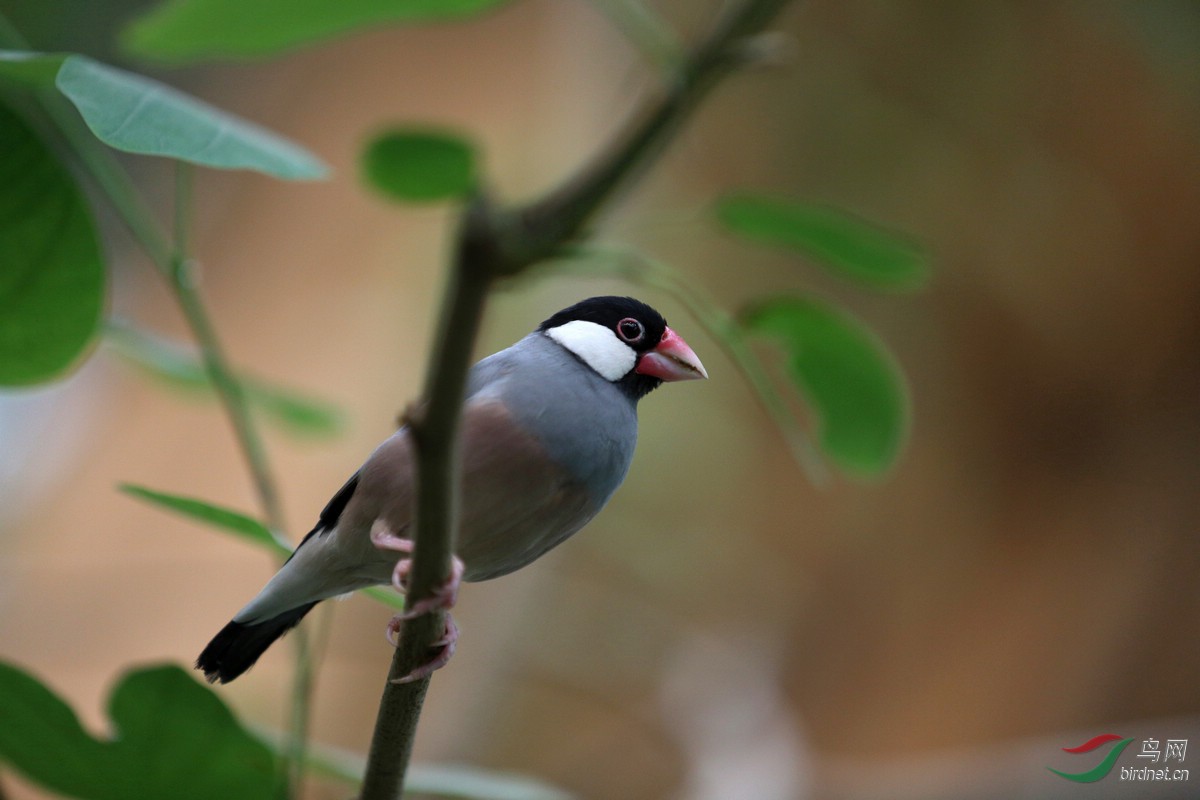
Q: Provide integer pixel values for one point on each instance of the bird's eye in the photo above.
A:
(630, 330)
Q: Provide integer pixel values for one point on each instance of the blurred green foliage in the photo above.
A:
(172, 737)
(139, 115)
(180, 366)
(419, 166)
(52, 284)
(846, 375)
(189, 30)
(838, 241)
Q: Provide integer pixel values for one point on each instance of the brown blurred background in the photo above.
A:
(1023, 580)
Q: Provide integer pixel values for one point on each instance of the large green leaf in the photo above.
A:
(180, 366)
(838, 241)
(52, 281)
(139, 115)
(419, 166)
(171, 737)
(846, 374)
(183, 30)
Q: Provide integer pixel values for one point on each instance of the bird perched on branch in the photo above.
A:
(548, 431)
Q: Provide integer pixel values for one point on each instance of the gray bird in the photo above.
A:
(548, 431)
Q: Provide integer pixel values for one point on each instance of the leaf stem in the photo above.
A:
(493, 243)
(181, 272)
(233, 397)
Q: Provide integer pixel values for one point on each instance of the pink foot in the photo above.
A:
(443, 597)
(445, 649)
(383, 538)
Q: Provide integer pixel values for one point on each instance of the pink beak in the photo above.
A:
(671, 360)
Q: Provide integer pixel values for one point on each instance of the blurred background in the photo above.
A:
(1024, 579)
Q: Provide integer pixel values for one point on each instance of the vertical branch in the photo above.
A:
(495, 242)
(434, 427)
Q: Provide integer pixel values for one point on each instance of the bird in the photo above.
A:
(548, 430)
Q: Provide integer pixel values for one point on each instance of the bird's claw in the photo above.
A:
(441, 598)
(445, 645)
(383, 538)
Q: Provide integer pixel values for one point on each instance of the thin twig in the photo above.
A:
(495, 243)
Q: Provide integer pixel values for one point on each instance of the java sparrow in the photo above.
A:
(548, 431)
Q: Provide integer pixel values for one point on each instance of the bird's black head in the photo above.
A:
(625, 341)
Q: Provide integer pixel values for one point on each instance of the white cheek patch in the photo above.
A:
(597, 346)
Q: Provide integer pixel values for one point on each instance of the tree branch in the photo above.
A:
(494, 243)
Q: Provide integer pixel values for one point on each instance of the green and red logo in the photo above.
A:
(1101, 769)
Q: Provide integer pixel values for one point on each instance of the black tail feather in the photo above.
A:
(235, 649)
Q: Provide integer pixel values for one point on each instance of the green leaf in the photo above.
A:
(52, 280)
(172, 737)
(846, 374)
(180, 366)
(188, 30)
(245, 527)
(419, 166)
(138, 115)
(233, 521)
(844, 244)
(299, 414)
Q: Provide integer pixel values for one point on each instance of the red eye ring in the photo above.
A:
(630, 330)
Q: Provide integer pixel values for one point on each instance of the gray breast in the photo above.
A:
(584, 422)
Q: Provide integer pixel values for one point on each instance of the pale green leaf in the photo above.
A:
(136, 114)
